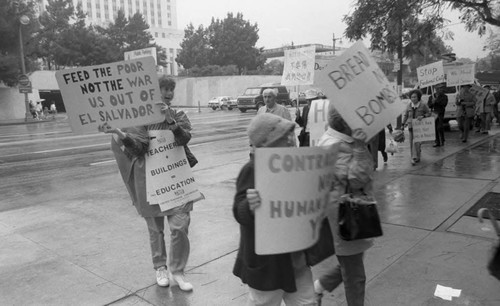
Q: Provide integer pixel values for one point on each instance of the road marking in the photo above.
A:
(102, 162)
(57, 150)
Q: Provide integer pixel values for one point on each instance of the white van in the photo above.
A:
(451, 108)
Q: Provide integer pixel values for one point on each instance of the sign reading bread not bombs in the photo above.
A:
(122, 94)
(359, 90)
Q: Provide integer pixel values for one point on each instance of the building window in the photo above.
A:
(98, 14)
(98, 5)
(163, 35)
(169, 15)
(171, 50)
(156, 34)
(159, 22)
(170, 23)
(168, 7)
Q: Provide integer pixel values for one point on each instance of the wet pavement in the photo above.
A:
(84, 246)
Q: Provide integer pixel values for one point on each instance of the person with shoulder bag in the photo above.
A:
(466, 103)
(416, 110)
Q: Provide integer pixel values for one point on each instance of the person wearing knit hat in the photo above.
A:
(271, 279)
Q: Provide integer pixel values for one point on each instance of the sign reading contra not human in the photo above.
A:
(121, 93)
(359, 90)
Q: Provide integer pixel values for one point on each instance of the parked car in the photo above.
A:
(222, 102)
(252, 97)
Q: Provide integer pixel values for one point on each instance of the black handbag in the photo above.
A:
(190, 157)
(323, 248)
(358, 219)
(494, 262)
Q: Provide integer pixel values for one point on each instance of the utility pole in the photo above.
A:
(334, 40)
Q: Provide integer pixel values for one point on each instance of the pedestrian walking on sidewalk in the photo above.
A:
(466, 103)
(437, 104)
(271, 279)
(354, 174)
(416, 110)
(130, 146)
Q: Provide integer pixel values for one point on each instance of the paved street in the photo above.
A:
(69, 235)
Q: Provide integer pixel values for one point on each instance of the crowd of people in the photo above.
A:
(286, 277)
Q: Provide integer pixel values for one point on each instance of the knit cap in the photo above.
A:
(265, 129)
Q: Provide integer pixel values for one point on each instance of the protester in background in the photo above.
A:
(382, 143)
(437, 104)
(416, 110)
(53, 109)
(272, 107)
(271, 279)
(129, 146)
(39, 110)
(486, 111)
(496, 95)
(353, 174)
(465, 111)
(33, 109)
(301, 120)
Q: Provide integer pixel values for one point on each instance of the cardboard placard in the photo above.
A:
(169, 178)
(431, 74)
(423, 130)
(359, 89)
(460, 75)
(317, 120)
(298, 68)
(294, 186)
(121, 93)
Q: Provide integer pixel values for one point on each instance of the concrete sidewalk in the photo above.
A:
(85, 247)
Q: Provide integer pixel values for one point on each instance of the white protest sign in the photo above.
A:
(169, 179)
(290, 215)
(423, 130)
(479, 92)
(317, 120)
(431, 74)
(298, 68)
(360, 91)
(460, 75)
(121, 93)
(140, 53)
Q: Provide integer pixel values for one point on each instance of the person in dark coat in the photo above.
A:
(301, 119)
(271, 279)
(437, 104)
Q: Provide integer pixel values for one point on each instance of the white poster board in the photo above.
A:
(423, 130)
(431, 74)
(129, 55)
(360, 91)
(460, 75)
(121, 93)
(293, 185)
(317, 120)
(169, 179)
(298, 68)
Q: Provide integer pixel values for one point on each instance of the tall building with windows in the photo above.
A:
(161, 15)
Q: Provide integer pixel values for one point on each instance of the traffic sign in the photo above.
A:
(24, 80)
(25, 89)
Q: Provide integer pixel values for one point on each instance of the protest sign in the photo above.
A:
(460, 75)
(479, 92)
(317, 120)
(360, 91)
(423, 130)
(121, 93)
(169, 179)
(431, 74)
(294, 186)
(298, 68)
(140, 53)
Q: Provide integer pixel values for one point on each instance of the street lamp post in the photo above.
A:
(23, 20)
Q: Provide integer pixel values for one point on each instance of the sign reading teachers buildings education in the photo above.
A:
(359, 90)
(123, 94)
(169, 178)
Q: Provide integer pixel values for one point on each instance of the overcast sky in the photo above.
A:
(303, 22)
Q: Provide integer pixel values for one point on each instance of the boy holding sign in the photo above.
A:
(130, 147)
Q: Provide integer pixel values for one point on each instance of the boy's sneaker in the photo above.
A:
(318, 292)
(162, 277)
(178, 279)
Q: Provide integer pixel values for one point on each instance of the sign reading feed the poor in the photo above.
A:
(122, 94)
(423, 130)
(169, 179)
(298, 68)
(460, 75)
(294, 186)
(431, 74)
(359, 90)
(317, 120)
